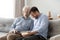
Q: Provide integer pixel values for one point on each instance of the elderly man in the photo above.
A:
(23, 23)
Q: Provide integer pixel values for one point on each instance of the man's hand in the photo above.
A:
(26, 34)
(14, 31)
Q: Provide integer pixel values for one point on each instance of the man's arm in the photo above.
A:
(12, 30)
(29, 33)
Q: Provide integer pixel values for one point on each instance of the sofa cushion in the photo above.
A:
(54, 27)
(4, 29)
(2, 34)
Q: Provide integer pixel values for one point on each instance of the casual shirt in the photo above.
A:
(41, 25)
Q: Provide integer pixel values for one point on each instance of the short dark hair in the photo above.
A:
(34, 9)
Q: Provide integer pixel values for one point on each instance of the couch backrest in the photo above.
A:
(5, 24)
(54, 27)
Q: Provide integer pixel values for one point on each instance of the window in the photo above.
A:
(7, 8)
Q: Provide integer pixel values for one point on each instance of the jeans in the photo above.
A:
(33, 37)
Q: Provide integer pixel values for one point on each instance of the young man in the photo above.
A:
(20, 24)
(40, 24)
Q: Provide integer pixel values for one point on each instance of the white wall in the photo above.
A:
(7, 8)
(47, 5)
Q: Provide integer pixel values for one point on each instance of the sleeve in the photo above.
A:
(42, 26)
(14, 24)
(31, 25)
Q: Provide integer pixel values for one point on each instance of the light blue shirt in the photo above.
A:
(22, 24)
(41, 25)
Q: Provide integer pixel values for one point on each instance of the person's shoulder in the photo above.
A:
(31, 20)
(44, 16)
(18, 18)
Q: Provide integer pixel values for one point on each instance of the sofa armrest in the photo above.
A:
(56, 37)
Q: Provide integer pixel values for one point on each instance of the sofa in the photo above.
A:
(53, 32)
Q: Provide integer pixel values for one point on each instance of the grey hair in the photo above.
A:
(25, 8)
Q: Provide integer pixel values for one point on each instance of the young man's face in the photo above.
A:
(35, 14)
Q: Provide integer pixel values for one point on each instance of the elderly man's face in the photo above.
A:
(26, 12)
